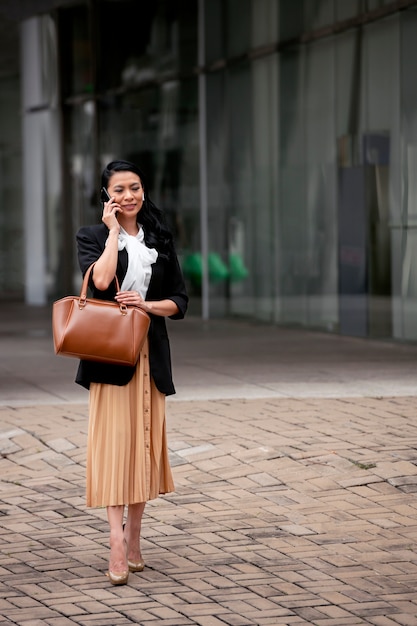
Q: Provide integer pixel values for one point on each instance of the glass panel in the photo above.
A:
(11, 209)
(319, 258)
(214, 25)
(347, 87)
(75, 47)
(259, 252)
(291, 19)
(318, 14)
(351, 256)
(230, 181)
(380, 143)
(369, 176)
(81, 204)
(260, 246)
(293, 237)
(345, 9)
(131, 61)
(372, 5)
(236, 250)
(158, 40)
(405, 226)
(218, 191)
(264, 22)
(238, 16)
(157, 128)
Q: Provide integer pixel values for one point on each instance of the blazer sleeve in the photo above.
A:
(90, 247)
(167, 283)
(176, 288)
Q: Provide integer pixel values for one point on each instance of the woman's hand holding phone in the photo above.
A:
(110, 209)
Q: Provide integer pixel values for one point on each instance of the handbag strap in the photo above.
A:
(84, 286)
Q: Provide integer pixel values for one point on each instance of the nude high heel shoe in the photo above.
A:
(118, 579)
(135, 566)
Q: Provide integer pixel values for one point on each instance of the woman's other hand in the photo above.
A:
(133, 298)
(162, 308)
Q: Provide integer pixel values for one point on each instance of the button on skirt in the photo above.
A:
(127, 450)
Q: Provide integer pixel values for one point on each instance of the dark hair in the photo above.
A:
(157, 235)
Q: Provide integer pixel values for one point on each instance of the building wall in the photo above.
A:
(310, 127)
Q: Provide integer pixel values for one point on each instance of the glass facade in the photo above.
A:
(310, 122)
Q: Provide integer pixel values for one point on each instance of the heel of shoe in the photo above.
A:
(137, 566)
(118, 579)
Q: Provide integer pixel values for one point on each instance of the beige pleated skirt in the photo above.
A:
(127, 451)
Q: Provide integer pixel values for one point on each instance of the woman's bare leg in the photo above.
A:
(118, 559)
(132, 531)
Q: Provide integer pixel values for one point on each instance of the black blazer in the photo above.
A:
(166, 282)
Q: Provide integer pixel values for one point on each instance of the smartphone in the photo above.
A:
(104, 195)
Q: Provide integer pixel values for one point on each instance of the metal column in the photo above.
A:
(202, 123)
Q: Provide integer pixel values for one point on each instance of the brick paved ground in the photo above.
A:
(287, 511)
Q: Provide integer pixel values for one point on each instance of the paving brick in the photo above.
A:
(404, 619)
(208, 620)
(237, 620)
(383, 620)
(63, 621)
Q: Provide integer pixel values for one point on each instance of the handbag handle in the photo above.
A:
(84, 288)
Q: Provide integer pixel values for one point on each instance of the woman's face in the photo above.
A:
(127, 190)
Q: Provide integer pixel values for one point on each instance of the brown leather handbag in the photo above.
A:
(98, 330)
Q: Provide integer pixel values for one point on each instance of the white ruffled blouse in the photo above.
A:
(141, 258)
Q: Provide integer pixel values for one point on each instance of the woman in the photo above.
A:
(127, 456)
